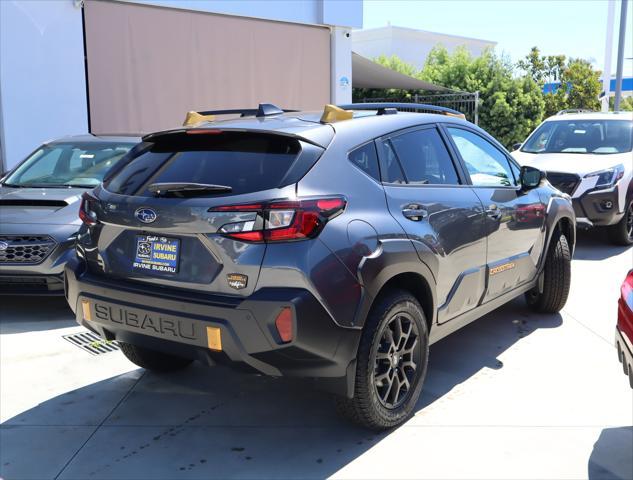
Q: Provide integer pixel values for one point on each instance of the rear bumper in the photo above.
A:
(598, 207)
(176, 322)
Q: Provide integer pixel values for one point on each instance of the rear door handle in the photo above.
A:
(414, 212)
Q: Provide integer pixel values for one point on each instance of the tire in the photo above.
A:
(153, 360)
(379, 404)
(556, 278)
(622, 232)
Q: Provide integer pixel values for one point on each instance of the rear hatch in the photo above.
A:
(187, 210)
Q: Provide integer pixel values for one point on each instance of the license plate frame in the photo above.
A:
(156, 254)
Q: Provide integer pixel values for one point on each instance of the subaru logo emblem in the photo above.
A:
(146, 215)
(3, 246)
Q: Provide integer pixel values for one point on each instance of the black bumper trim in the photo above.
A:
(25, 284)
(590, 205)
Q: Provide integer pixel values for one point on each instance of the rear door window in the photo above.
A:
(424, 158)
(245, 162)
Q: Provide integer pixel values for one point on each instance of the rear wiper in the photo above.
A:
(182, 189)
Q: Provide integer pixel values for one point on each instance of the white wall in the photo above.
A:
(42, 76)
(412, 46)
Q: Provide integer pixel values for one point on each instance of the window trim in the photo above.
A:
(461, 177)
(492, 141)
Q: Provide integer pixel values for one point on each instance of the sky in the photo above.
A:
(575, 28)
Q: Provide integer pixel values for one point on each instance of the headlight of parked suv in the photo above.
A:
(607, 178)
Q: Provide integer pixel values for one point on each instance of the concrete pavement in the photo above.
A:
(514, 395)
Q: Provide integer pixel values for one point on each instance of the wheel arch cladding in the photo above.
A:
(415, 284)
(560, 216)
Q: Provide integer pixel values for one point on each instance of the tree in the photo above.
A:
(510, 108)
(578, 82)
(583, 84)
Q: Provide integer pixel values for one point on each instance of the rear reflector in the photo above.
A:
(85, 310)
(283, 322)
(214, 338)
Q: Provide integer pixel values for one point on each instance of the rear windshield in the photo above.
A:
(582, 136)
(246, 162)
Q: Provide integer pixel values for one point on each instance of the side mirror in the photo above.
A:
(531, 177)
(516, 146)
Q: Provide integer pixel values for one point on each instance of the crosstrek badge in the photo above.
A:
(237, 280)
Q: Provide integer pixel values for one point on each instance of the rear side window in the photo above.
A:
(246, 162)
(424, 158)
(365, 158)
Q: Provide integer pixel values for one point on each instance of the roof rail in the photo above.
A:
(575, 110)
(263, 110)
(389, 108)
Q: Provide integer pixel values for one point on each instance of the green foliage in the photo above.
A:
(584, 84)
(510, 107)
(626, 104)
(580, 83)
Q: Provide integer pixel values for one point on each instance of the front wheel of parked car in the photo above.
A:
(391, 363)
(556, 278)
(622, 232)
(151, 359)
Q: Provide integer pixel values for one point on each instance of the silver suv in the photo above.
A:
(334, 246)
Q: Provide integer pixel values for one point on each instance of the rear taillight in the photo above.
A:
(282, 221)
(87, 213)
(627, 290)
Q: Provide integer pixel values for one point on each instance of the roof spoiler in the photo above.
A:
(390, 108)
(263, 110)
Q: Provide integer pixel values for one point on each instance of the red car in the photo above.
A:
(624, 329)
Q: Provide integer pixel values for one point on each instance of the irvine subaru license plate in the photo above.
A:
(157, 254)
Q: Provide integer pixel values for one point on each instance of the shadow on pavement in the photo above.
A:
(612, 455)
(30, 313)
(217, 423)
(595, 245)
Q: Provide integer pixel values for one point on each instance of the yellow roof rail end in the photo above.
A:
(194, 118)
(458, 115)
(332, 113)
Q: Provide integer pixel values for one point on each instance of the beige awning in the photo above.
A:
(369, 74)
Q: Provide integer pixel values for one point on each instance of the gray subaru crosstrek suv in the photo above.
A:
(336, 247)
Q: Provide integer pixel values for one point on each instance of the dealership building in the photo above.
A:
(73, 66)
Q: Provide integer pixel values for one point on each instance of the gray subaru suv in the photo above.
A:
(334, 246)
(39, 200)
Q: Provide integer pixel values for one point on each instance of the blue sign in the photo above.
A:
(157, 254)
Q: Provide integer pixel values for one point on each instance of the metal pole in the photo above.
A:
(608, 54)
(477, 108)
(618, 75)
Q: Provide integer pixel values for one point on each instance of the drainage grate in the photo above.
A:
(91, 343)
